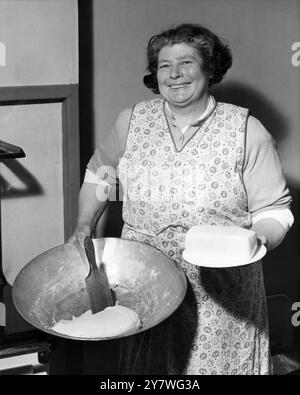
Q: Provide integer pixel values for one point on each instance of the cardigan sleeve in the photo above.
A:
(262, 172)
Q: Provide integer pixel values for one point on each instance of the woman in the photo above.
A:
(184, 159)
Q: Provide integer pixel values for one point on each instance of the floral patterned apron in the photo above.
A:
(221, 326)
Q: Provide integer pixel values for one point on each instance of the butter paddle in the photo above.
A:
(97, 285)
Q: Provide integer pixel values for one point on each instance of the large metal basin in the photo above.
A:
(52, 286)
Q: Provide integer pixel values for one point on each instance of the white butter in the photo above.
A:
(220, 243)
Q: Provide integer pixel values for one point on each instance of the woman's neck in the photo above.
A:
(190, 114)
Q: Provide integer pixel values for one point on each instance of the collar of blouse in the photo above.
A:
(172, 119)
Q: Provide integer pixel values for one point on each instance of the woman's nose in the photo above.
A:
(176, 72)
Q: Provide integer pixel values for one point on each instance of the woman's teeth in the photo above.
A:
(178, 86)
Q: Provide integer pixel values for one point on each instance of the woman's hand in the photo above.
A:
(270, 232)
(262, 240)
(80, 233)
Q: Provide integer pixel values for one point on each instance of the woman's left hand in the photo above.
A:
(269, 232)
(262, 240)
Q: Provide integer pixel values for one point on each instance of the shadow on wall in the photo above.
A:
(260, 106)
(31, 186)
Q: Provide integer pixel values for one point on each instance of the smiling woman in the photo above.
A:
(186, 160)
(181, 78)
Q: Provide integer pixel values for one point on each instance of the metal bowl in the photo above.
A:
(51, 287)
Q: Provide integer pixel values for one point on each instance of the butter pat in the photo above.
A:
(110, 322)
(220, 243)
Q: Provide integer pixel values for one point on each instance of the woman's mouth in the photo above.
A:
(178, 86)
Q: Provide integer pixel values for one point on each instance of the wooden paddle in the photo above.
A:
(97, 285)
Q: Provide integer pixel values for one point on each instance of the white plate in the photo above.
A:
(205, 262)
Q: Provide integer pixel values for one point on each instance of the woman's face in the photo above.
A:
(180, 77)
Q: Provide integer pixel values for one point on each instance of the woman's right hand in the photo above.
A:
(80, 233)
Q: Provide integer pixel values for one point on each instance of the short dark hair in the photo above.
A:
(215, 54)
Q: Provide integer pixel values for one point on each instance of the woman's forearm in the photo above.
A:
(91, 201)
(270, 231)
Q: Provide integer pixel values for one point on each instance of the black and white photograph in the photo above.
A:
(149, 190)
